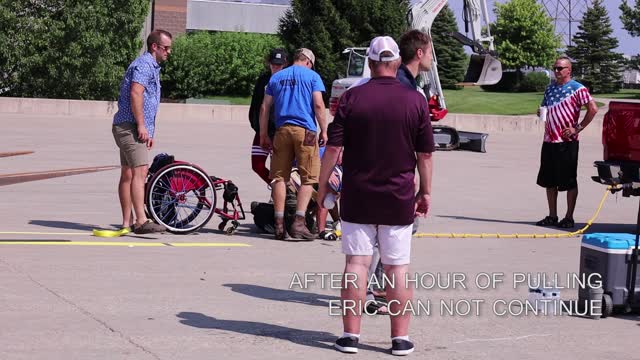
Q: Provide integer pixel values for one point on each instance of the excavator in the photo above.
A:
(484, 68)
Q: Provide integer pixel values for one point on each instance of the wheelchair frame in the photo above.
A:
(182, 197)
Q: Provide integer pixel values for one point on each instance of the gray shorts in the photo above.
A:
(133, 152)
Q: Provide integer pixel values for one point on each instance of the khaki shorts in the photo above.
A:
(133, 152)
(394, 241)
(288, 144)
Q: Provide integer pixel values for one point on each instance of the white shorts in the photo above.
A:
(394, 241)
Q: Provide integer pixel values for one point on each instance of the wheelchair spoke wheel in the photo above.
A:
(182, 198)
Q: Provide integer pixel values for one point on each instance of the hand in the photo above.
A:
(538, 112)
(322, 139)
(150, 143)
(143, 134)
(334, 181)
(265, 142)
(566, 132)
(423, 202)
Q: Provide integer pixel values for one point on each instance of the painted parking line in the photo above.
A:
(119, 243)
(43, 233)
(209, 244)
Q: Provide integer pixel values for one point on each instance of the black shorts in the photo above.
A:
(559, 165)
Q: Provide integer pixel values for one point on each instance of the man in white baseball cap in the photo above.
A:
(378, 200)
(382, 44)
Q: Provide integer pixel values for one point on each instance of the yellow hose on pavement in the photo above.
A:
(523, 236)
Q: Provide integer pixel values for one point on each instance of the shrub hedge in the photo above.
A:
(534, 82)
(213, 64)
(513, 81)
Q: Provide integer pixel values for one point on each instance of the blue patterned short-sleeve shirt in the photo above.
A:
(145, 71)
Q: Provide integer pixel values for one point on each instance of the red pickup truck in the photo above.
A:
(621, 141)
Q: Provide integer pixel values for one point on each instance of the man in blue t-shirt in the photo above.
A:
(296, 94)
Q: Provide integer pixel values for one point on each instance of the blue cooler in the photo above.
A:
(610, 255)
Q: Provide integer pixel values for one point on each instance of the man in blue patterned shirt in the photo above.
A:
(134, 127)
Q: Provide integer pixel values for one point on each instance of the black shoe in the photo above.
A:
(566, 224)
(347, 345)
(548, 221)
(327, 235)
(401, 347)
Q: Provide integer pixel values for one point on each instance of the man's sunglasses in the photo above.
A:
(559, 68)
(165, 48)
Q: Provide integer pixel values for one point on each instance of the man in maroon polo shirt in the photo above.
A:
(385, 130)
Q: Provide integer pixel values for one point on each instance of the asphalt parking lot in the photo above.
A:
(80, 300)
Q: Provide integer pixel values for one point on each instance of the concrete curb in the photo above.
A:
(238, 113)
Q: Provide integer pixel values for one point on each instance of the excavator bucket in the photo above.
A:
(483, 70)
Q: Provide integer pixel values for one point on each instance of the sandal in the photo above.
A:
(148, 227)
(566, 223)
(548, 221)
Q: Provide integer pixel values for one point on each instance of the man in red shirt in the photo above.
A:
(385, 130)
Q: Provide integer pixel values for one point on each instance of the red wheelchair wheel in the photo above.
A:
(181, 197)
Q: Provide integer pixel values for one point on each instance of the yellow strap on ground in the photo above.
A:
(110, 233)
(522, 236)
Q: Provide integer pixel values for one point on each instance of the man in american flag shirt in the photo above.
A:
(559, 156)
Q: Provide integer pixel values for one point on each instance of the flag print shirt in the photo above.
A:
(563, 104)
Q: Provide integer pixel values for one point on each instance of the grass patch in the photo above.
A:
(231, 100)
(622, 94)
(474, 100)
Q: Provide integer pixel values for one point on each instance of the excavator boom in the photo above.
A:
(484, 67)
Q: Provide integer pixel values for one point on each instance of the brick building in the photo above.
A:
(170, 15)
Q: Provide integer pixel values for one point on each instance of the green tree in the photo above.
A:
(597, 65)
(524, 35)
(329, 26)
(68, 48)
(631, 17)
(451, 57)
(631, 21)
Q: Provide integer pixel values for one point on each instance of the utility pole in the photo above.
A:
(566, 15)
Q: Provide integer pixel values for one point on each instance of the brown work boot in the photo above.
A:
(279, 228)
(299, 229)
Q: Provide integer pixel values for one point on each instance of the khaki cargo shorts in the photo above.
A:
(133, 152)
(294, 142)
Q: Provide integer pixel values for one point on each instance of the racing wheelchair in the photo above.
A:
(182, 197)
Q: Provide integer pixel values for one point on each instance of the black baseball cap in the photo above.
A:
(278, 57)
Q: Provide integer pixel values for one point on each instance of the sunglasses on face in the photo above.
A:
(165, 48)
(559, 68)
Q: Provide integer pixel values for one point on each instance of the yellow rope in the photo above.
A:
(522, 236)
